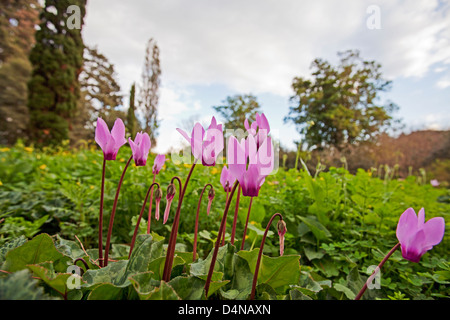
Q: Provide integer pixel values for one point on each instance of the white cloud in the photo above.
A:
(443, 82)
(257, 46)
(260, 46)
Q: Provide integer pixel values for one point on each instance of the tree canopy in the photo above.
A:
(235, 109)
(341, 104)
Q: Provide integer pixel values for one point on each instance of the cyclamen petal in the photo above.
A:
(101, 133)
(417, 237)
(227, 179)
(205, 145)
(118, 133)
(110, 143)
(167, 211)
(158, 164)
(140, 148)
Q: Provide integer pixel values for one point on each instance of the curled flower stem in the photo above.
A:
(246, 223)
(258, 261)
(149, 220)
(133, 240)
(111, 219)
(236, 210)
(196, 221)
(173, 234)
(216, 247)
(100, 217)
(84, 262)
(363, 289)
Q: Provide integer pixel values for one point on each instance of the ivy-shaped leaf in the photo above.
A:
(40, 249)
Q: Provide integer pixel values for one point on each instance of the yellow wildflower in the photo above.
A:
(1, 183)
(214, 170)
(91, 187)
(28, 149)
(4, 149)
(42, 166)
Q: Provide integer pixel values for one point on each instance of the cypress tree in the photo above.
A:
(18, 19)
(57, 60)
(132, 125)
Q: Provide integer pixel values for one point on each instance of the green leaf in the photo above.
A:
(188, 288)
(163, 292)
(145, 250)
(157, 265)
(113, 273)
(274, 271)
(201, 267)
(69, 248)
(143, 283)
(240, 277)
(21, 286)
(106, 291)
(57, 281)
(300, 294)
(341, 288)
(318, 229)
(311, 254)
(39, 249)
(10, 245)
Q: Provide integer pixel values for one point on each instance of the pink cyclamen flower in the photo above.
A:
(110, 143)
(140, 148)
(169, 197)
(227, 179)
(259, 128)
(434, 183)
(417, 236)
(158, 164)
(250, 165)
(205, 146)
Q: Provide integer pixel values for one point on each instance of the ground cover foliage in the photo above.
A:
(338, 226)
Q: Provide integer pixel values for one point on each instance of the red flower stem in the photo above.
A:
(100, 217)
(236, 210)
(111, 219)
(173, 235)
(224, 230)
(133, 240)
(196, 220)
(261, 248)
(216, 247)
(363, 289)
(149, 220)
(246, 224)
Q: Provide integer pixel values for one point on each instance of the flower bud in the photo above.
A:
(281, 226)
(170, 191)
(158, 196)
(169, 197)
(211, 194)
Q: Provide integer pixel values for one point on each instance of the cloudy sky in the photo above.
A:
(211, 49)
